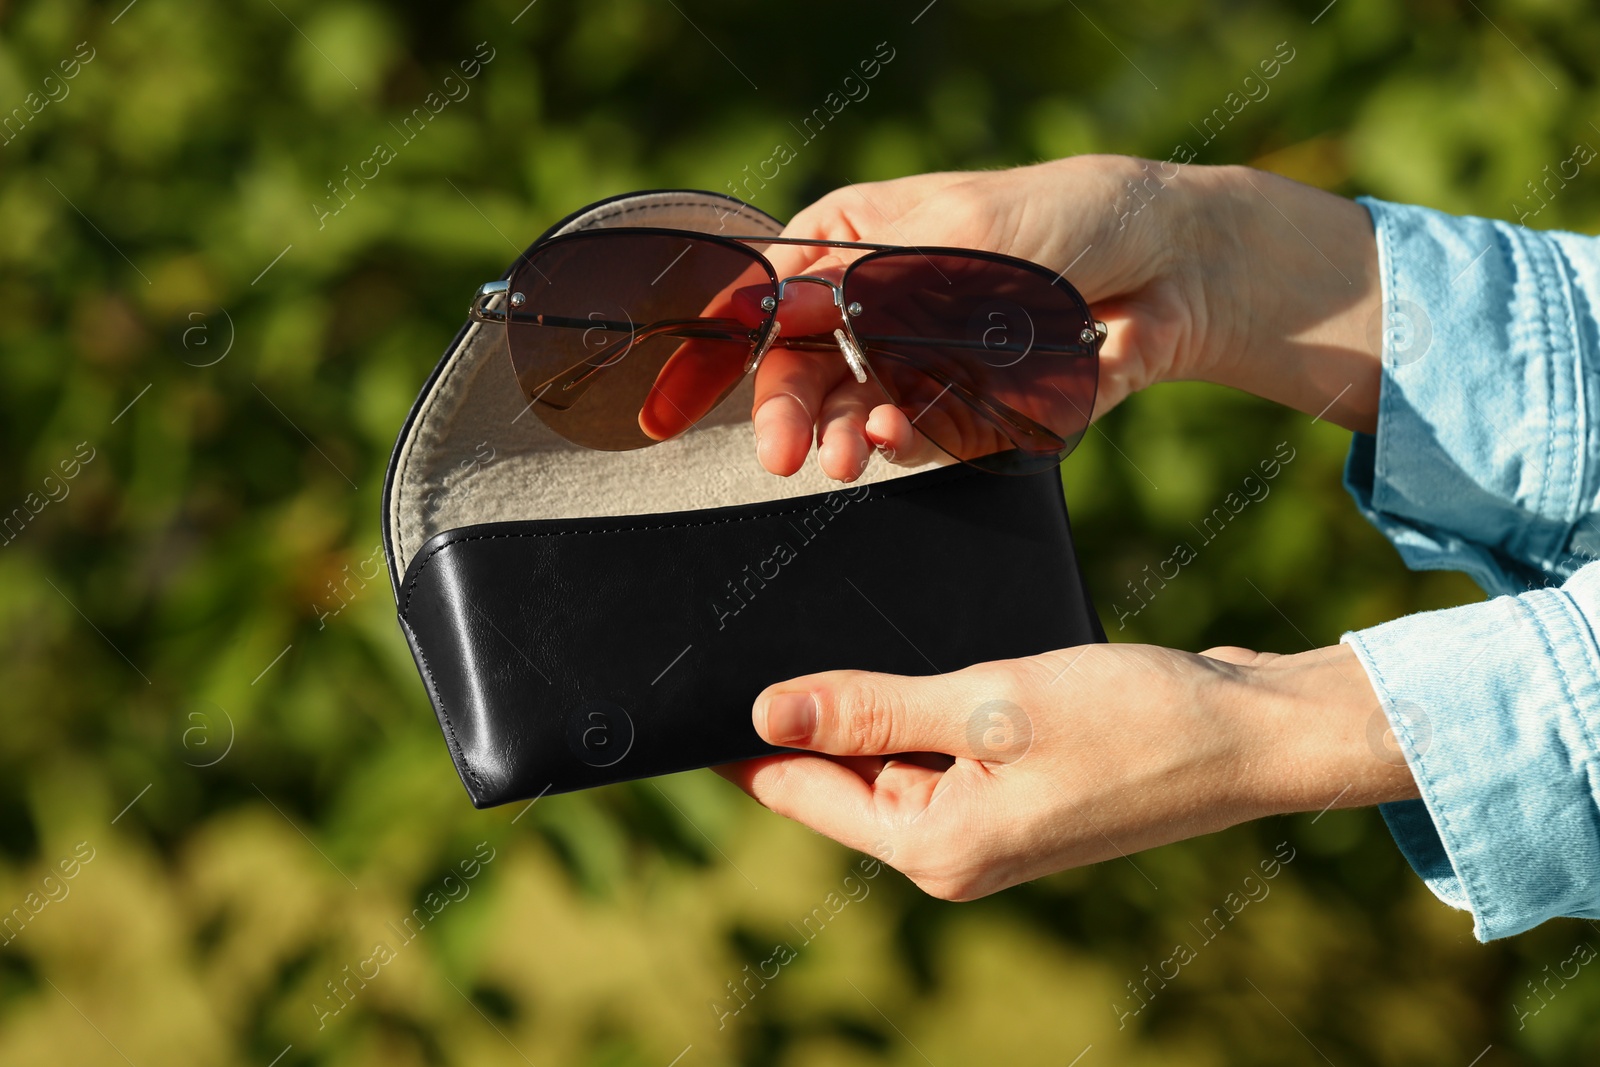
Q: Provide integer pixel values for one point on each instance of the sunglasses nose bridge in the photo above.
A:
(845, 336)
(816, 279)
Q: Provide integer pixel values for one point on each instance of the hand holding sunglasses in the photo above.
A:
(625, 337)
(1225, 275)
(1199, 272)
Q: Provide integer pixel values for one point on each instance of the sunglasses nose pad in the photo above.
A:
(760, 350)
(852, 356)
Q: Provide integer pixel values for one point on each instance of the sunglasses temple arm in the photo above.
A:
(1006, 416)
(579, 375)
(982, 346)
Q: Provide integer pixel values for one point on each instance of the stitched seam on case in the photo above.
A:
(449, 731)
(456, 361)
(619, 212)
(455, 364)
(687, 524)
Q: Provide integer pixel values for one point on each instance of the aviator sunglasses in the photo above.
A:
(624, 337)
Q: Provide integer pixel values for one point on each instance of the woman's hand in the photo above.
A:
(1024, 767)
(977, 780)
(1220, 274)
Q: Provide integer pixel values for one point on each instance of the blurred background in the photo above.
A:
(221, 785)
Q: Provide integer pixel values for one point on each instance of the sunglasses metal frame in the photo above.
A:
(765, 336)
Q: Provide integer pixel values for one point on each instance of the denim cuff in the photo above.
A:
(1482, 459)
(1496, 708)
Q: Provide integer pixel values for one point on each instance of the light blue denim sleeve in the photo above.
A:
(1487, 460)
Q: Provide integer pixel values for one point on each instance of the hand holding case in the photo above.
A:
(581, 618)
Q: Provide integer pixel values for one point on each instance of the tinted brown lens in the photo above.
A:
(986, 357)
(620, 340)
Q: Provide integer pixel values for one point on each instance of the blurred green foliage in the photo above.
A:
(264, 792)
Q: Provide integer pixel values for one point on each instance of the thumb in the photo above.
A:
(860, 713)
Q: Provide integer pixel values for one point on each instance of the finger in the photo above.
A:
(867, 768)
(891, 433)
(842, 446)
(788, 260)
(865, 211)
(1242, 657)
(791, 384)
(864, 713)
(702, 371)
(788, 394)
(1141, 337)
(813, 790)
(824, 220)
(933, 761)
(833, 800)
(690, 383)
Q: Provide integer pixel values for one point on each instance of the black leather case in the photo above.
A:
(566, 652)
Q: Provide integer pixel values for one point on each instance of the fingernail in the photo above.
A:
(791, 717)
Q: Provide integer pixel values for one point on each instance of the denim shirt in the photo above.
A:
(1487, 460)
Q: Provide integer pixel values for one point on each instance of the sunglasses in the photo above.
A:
(625, 337)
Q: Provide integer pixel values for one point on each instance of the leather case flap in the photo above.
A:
(570, 653)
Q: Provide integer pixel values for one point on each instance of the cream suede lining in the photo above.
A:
(474, 454)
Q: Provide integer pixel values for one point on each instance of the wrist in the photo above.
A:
(1318, 735)
(1288, 278)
